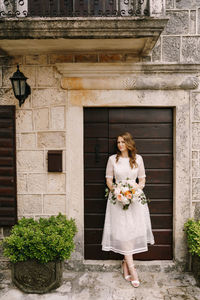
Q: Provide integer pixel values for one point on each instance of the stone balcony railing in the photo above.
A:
(81, 8)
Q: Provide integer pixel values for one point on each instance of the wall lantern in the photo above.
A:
(20, 87)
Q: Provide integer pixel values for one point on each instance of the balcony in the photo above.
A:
(35, 26)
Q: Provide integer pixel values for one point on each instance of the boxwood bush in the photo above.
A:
(45, 240)
(192, 229)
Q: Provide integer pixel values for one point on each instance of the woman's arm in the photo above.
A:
(109, 182)
(141, 183)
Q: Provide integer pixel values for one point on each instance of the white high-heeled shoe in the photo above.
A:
(127, 277)
(135, 283)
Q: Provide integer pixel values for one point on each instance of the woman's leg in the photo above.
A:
(125, 270)
(131, 268)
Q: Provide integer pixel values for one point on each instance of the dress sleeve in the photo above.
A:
(141, 169)
(109, 169)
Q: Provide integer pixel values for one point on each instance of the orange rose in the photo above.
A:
(133, 191)
(119, 197)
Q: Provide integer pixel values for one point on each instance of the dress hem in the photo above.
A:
(104, 248)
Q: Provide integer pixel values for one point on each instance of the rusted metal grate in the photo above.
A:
(74, 8)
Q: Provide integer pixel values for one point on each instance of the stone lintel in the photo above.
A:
(102, 76)
(131, 83)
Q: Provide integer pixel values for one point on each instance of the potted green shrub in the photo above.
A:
(37, 250)
(192, 229)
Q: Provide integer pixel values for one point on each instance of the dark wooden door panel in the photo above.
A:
(140, 115)
(144, 130)
(94, 191)
(90, 144)
(8, 202)
(152, 129)
(96, 129)
(156, 146)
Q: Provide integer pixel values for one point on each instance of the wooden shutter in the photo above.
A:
(8, 204)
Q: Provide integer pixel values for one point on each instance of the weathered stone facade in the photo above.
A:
(52, 116)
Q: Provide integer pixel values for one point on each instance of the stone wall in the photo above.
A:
(40, 126)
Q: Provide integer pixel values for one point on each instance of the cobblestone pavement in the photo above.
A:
(156, 283)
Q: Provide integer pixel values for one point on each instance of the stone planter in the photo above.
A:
(196, 268)
(33, 277)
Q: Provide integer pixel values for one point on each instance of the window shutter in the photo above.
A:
(8, 200)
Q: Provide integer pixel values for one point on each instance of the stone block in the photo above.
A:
(169, 4)
(18, 141)
(131, 57)
(30, 73)
(178, 22)
(41, 119)
(157, 7)
(56, 183)
(36, 183)
(187, 4)
(24, 120)
(58, 118)
(30, 161)
(195, 168)
(196, 106)
(192, 24)
(46, 77)
(112, 57)
(198, 18)
(195, 155)
(86, 58)
(190, 49)
(36, 59)
(196, 210)
(29, 204)
(7, 97)
(48, 97)
(171, 49)
(28, 141)
(51, 140)
(7, 73)
(21, 183)
(53, 204)
(156, 53)
(16, 60)
(64, 58)
(196, 189)
(196, 135)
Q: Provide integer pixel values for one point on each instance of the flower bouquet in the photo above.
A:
(125, 194)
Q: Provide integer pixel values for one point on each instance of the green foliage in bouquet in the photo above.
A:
(45, 240)
(192, 229)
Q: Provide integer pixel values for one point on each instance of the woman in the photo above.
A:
(126, 231)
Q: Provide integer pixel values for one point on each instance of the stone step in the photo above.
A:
(114, 265)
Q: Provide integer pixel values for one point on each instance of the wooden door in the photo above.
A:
(8, 204)
(152, 129)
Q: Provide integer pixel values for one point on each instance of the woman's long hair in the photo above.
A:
(130, 144)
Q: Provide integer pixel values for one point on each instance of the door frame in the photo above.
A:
(179, 100)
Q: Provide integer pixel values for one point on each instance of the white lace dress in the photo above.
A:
(126, 231)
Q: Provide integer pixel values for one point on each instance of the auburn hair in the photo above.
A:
(130, 144)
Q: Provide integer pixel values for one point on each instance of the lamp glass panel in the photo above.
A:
(23, 87)
(16, 86)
